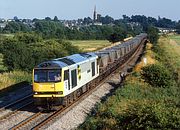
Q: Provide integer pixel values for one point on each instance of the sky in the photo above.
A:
(74, 9)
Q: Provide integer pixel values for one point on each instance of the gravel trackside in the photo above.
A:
(77, 115)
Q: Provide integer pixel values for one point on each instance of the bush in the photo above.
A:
(157, 75)
(17, 56)
(28, 37)
(153, 34)
(137, 106)
(149, 116)
(138, 115)
(20, 54)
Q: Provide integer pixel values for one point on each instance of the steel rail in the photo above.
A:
(15, 111)
(15, 102)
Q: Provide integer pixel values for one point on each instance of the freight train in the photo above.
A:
(61, 81)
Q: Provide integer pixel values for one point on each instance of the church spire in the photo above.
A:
(95, 14)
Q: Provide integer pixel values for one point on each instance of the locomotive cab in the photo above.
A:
(47, 81)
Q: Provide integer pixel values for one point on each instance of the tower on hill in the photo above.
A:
(96, 17)
(94, 14)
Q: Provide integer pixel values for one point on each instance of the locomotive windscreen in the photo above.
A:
(47, 75)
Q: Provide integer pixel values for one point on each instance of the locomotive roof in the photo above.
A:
(67, 61)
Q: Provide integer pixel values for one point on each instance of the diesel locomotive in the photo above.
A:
(61, 81)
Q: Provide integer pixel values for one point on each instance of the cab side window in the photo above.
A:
(74, 78)
(66, 75)
(93, 68)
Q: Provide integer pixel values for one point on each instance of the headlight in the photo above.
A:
(61, 92)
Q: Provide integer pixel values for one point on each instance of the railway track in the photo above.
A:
(14, 107)
(38, 120)
(15, 102)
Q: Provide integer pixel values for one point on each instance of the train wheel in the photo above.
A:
(79, 92)
(49, 107)
(69, 100)
(75, 95)
(65, 101)
(89, 86)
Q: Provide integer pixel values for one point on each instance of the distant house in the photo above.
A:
(10, 20)
(166, 30)
(2, 25)
(2, 20)
(97, 23)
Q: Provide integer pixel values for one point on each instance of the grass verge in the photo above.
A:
(176, 38)
(138, 105)
(11, 78)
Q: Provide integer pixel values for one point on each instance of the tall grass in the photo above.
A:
(170, 55)
(176, 38)
(7, 79)
(10, 78)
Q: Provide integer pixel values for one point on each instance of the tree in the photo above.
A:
(126, 18)
(13, 27)
(153, 34)
(17, 56)
(49, 29)
(178, 27)
(56, 18)
(152, 21)
(114, 38)
(28, 37)
(16, 19)
(166, 23)
(87, 20)
(106, 20)
(47, 18)
(157, 75)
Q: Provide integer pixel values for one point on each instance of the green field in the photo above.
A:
(7, 35)
(90, 45)
(175, 38)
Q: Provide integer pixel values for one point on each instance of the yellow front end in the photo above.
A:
(48, 89)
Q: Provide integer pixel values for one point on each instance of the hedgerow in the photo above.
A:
(136, 107)
(157, 75)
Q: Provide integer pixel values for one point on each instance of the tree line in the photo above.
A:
(48, 39)
(53, 28)
(25, 50)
